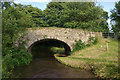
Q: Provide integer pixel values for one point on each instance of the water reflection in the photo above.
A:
(44, 65)
(50, 68)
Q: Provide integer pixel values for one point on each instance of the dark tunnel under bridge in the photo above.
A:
(46, 44)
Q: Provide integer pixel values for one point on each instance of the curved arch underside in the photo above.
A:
(52, 43)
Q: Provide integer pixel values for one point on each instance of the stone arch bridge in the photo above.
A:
(66, 36)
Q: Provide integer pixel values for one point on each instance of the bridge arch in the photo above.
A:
(52, 43)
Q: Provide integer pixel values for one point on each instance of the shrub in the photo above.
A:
(92, 40)
(95, 41)
(14, 59)
(79, 45)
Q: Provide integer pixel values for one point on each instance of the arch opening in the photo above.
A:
(48, 48)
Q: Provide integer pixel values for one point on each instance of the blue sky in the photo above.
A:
(40, 5)
(107, 5)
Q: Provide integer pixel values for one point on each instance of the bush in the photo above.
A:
(79, 45)
(95, 41)
(14, 59)
(92, 40)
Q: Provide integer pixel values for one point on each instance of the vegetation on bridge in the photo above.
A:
(79, 45)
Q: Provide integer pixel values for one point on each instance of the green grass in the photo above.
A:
(104, 64)
(57, 50)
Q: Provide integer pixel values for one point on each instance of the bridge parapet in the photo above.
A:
(66, 35)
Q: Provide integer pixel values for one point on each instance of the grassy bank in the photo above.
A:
(103, 63)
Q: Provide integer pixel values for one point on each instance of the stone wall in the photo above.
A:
(63, 34)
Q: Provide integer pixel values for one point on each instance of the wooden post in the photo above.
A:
(106, 46)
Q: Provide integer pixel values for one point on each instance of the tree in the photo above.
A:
(53, 13)
(37, 15)
(5, 5)
(85, 15)
(104, 23)
(14, 20)
(115, 16)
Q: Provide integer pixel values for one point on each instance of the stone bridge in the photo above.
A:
(65, 36)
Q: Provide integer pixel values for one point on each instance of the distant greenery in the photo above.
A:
(58, 50)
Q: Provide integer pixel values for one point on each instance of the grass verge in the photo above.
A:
(104, 64)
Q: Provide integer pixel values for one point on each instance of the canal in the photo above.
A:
(44, 64)
(49, 67)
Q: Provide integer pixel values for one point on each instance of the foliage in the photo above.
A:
(14, 21)
(36, 14)
(92, 40)
(78, 45)
(115, 16)
(14, 59)
(5, 5)
(85, 15)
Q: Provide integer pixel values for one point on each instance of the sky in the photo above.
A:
(107, 5)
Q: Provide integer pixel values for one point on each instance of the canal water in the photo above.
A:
(44, 65)
(49, 67)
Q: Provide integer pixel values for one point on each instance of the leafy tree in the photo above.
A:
(115, 16)
(14, 21)
(37, 15)
(5, 5)
(85, 15)
(104, 24)
(52, 14)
